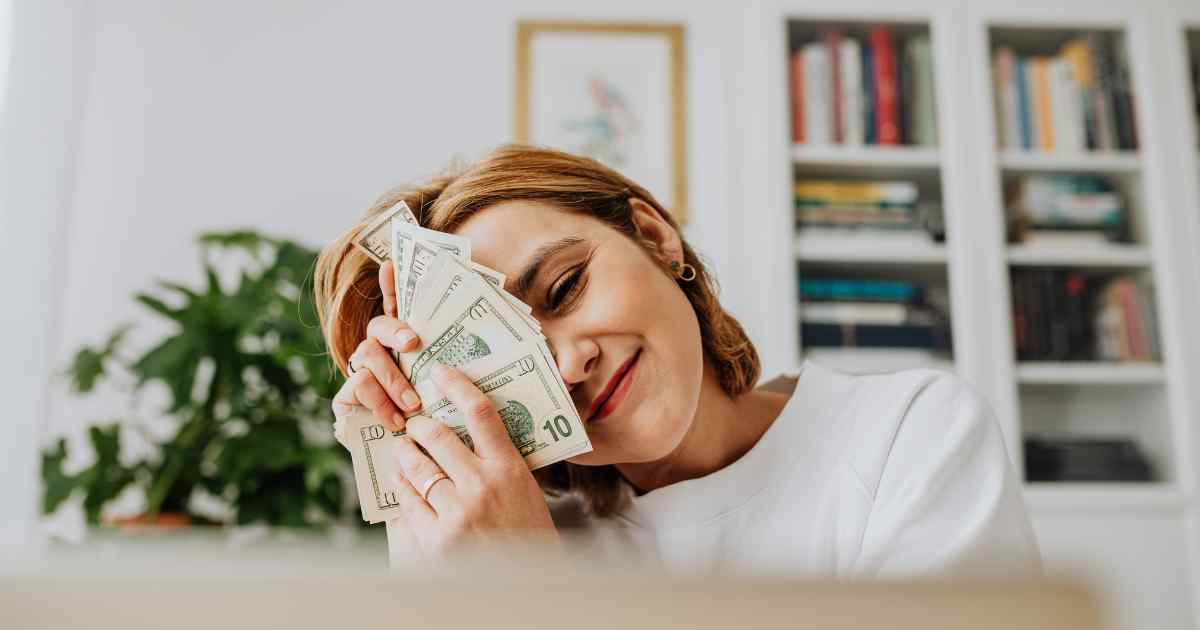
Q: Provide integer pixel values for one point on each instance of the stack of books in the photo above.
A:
(870, 313)
(873, 91)
(1075, 101)
(1085, 459)
(1065, 209)
(870, 205)
(1063, 315)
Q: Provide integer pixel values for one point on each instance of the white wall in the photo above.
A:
(38, 136)
(293, 116)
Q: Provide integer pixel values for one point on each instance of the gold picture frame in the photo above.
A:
(672, 183)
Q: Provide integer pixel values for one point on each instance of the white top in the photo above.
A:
(859, 477)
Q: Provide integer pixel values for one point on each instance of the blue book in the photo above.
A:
(1023, 112)
(848, 289)
(868, 95)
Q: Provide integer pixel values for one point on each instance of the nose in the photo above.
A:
(576, 359)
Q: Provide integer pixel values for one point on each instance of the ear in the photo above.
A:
(652, 227)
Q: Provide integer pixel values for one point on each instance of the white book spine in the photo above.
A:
(817, 114)
(852, 96)
(854, 313)
(1070, 125)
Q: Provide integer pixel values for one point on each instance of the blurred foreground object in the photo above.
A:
(486, 600)
(249, 387)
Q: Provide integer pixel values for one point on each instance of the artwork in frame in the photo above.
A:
(610, 91)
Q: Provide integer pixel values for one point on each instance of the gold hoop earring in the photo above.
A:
(683, 271)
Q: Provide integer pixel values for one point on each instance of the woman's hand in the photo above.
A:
(483, 497)
(487, 497)
(375, 381)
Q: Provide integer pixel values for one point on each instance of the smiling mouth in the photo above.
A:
(615, 384)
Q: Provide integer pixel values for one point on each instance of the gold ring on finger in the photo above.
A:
(429, 483)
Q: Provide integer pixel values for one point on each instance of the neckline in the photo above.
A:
(695, 501)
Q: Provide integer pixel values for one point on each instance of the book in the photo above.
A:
(1123, 97)
(817, 114)
(796, 64)
(1102, 94)
(833, 55)
(1043, 118)
(932, 337)
(852, 92)
(887, 124)
(1024, 112)
(1068, 111)
(870, 135)
(1077, 55)
(924, 107)
(904, 94)
(860, 290)
(1085, 459)
(855, 313)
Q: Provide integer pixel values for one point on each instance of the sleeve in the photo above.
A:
(947, 499)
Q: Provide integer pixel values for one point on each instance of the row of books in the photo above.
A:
(870, 313)
(886, 205)
(863, 92)
(1059, 208)
(1064, 315)
(1077, 100)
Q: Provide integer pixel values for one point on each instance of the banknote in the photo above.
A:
(531, 401)
(413, 248)
(376, 239)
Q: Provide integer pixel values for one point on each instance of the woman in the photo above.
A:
(817, 473)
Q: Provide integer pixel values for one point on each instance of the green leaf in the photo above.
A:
(158, 306)
(87, 367)
(56, 485)
(173, 361)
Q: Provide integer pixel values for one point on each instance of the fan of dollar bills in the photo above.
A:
(466, 320)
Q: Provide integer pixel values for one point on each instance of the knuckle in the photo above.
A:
(480, 407)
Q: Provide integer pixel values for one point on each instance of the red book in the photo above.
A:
(833, 49)
(887, 115)
(797, 67)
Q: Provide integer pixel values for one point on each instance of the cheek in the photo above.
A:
(652, 309)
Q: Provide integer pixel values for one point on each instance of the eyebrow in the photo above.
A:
(544, 253)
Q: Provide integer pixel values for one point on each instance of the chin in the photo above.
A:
(633, 440)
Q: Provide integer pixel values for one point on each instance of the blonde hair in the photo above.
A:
(348, 294)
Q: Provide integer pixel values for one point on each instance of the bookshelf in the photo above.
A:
(1096, 528)
(851, 147)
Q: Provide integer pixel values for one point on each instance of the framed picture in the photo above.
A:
(611, 91)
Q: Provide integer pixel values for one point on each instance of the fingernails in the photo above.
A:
(410, 399)
(405, 338)
(398, 422)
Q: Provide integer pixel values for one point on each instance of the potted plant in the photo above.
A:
(249, 387)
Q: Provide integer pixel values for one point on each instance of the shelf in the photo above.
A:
(1109, 255)
(890, 157)
(833, 246)
(1084, 373)
(1092, 162)
(1075, 496)
(878, 360)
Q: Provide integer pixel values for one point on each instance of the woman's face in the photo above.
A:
(625, 337)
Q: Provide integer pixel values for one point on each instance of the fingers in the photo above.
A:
(446, 448)
(483, 422)
(370, 394)
(379, 363)
(393, 333)
(418, 470)
(419, 514)
(387, 284)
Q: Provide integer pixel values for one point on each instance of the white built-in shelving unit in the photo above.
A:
(1127, 537)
